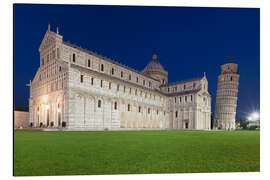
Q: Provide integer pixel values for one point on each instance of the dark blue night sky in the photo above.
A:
(188, 41)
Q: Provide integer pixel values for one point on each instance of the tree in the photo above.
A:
(243, 122)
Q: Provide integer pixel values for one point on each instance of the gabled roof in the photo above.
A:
(49, 37)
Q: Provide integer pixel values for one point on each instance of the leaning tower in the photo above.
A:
(226, 97)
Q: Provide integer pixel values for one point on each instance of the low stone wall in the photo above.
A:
(21, 119)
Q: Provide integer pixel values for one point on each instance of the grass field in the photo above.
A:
(135, 152)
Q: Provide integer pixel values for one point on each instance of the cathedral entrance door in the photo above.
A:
(48, 117)
(186, 125)
(59, 119)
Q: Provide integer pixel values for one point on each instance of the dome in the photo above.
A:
(154, 65)
(156, 70)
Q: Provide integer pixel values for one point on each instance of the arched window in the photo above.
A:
(57, 52)
(53, 54)
(59, 68)
(139, 108)
(190, 97)
(115, 105)
(180, 99)
(112, 71)
(99, 103)
(102, 67)
(89, 63)
(176, 114)
(121, 74)
(92, 81)
(128, 107)
(101, 82)
(185, 98)
(81, 78)
(231, 78)
(74, 58)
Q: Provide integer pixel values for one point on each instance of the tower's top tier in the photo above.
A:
(229, 68)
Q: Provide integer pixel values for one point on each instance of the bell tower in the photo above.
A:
(226, 97)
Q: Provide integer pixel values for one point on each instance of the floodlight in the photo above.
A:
(255, 115)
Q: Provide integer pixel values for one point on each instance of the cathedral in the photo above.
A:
(76, 89)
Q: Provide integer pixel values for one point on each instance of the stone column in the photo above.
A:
(195, 118)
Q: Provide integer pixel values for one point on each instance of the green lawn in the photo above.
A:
(135, 152)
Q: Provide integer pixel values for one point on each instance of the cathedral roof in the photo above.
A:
(107, 59)
(182, 81)
(154, 65)
(115, 79)
(184, 92)
(21, 109)
(133, 84)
